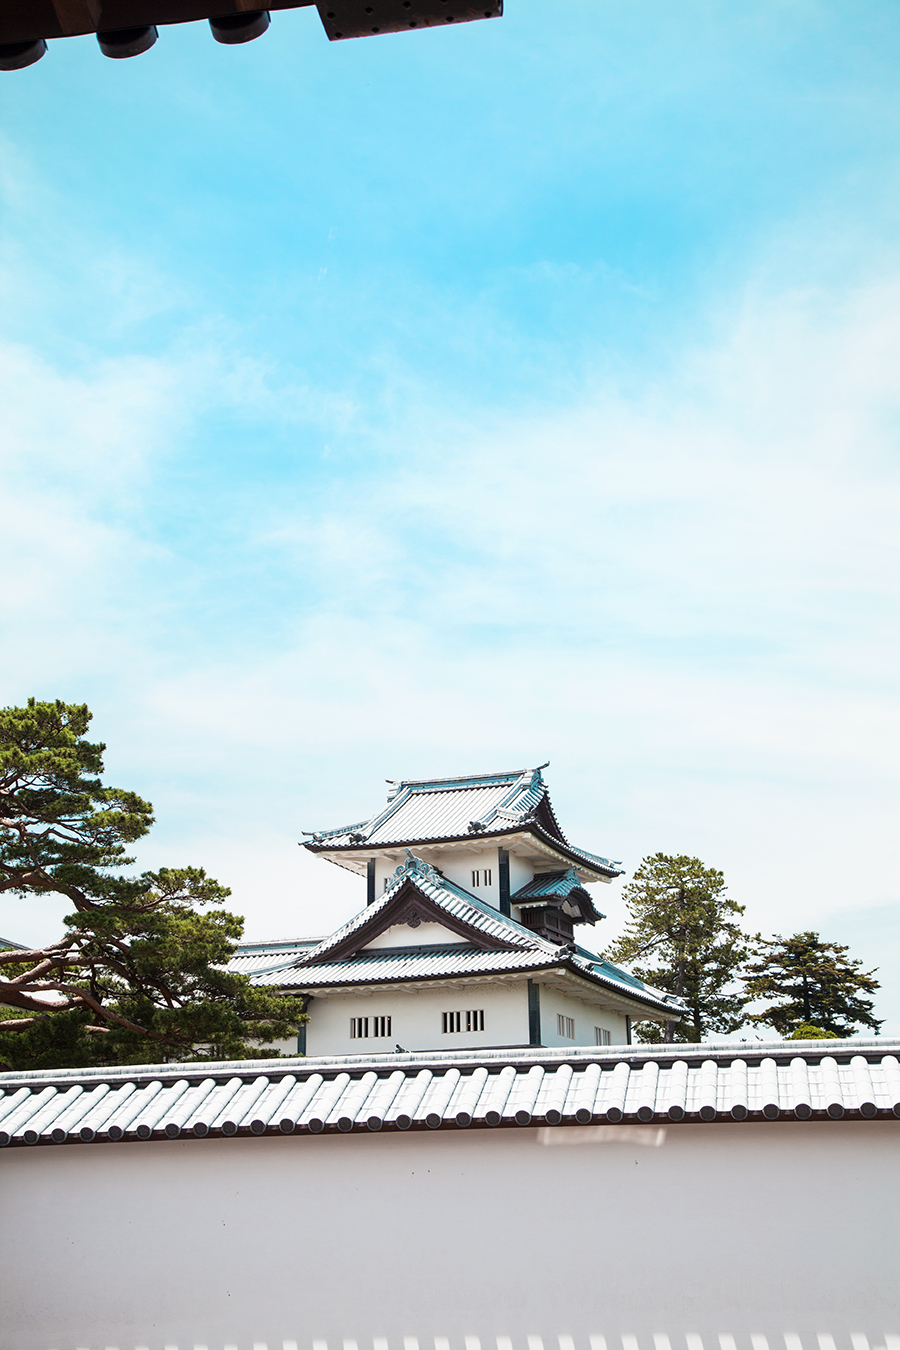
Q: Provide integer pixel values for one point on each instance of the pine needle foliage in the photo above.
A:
(681, 937)
(138, 973)
(813, 983)
(808, 1033)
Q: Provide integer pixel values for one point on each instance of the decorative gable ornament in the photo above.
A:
(415, 867)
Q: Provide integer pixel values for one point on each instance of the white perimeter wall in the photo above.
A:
(416, 1018)
(785, 1231)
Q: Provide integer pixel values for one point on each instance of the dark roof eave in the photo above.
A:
(527, 827)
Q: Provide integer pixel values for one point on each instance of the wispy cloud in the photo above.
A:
(556, 418)
(684, 595)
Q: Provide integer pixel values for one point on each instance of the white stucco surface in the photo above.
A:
(459, 863)
(585, 1015)
(415, 1014)
(426, 934)
(782, 1232)
(521, 871)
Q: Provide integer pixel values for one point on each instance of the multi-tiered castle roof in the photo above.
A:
(511, 808)
(470, 880)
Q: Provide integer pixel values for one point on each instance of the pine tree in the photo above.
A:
(138, 974)
(813, 983)
(807, 1033)
(681, 938)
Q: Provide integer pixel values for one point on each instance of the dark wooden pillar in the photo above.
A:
(301, 1030)
(370, 882)
(534, 1013)
(503, 878)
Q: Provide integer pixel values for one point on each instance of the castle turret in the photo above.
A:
(494, 834)
(467, 935)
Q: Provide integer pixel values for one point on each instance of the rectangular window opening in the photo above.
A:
(364, 1028)
(565, 1027)
(481, 877)
(470, 1020)
(602, 1036)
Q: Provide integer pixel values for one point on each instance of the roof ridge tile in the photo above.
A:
(639, 1085)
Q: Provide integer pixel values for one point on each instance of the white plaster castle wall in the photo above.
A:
(458, 865)
(585, 1015)
(416, 1018)
(384, 870)
(786, 1232)
(505, 1010)
(427, 934)
(521, 871)
(288, 1047)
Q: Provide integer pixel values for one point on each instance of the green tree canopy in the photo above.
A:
(808, 1033)
(812, 983)
(138, 974)
(682, 938)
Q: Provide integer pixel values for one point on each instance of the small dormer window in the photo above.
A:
(481, 877)
(549, 921)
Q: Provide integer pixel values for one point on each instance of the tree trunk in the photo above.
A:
(679, 969)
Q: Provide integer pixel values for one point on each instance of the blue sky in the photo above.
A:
(461, 399)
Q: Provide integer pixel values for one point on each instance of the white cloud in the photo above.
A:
(685, 596)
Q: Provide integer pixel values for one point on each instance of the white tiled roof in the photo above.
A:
(255, 958)
(445, 807)
(458, 808)
(858, 1080)
(426, 812)
(290, 966)
(450, 897)
(407, 963)
(386, 966)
